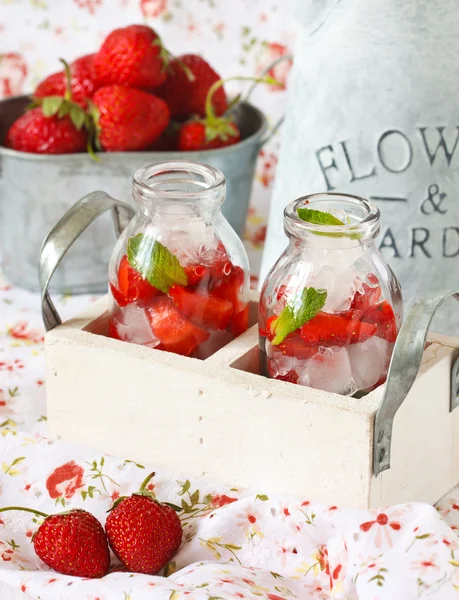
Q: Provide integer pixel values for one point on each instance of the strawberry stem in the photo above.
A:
(213, 88)
(146, 481)
(68, 80)
(30, 510)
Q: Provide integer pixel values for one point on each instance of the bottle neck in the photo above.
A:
(337, 222)
(179, 190)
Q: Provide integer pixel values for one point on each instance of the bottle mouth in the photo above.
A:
(175, 183)
(359, 218)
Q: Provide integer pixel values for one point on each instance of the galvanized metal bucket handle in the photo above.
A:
(403, 369)
(66, 231)
(272, 132)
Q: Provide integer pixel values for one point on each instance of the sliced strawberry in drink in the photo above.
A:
(383, 317)
(202, 308)
(293, 345)
(197, 274)
(369, 296)
(132, 287)
(291, 377)
(327, 329)
(268, 331)
(240, 322)
(175, 333)
(112, 330)
(229, 286)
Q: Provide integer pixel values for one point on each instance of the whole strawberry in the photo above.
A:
(71, 543)
(198, 135)
(81, 83)
(213, 131)
(128, 119)
(209, 132)
(143, 533)
(131, 56)
(36, 132)
(188, 83)
(57, 125)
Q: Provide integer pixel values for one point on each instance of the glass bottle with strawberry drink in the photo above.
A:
(330, 308)
(179, 275)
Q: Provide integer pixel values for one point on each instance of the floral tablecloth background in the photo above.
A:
(238, 37)
(237, 544)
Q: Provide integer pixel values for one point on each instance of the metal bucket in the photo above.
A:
(36, 190)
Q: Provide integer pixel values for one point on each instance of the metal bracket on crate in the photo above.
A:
(66, 232)
(403, 369)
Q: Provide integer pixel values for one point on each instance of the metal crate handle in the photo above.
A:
(66, 231)
(403, 369)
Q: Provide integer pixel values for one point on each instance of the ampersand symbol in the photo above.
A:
(433, 202)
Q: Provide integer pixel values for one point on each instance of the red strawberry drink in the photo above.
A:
(330, 308)
(179, 274)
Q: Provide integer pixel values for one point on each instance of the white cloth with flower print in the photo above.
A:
(236, 544)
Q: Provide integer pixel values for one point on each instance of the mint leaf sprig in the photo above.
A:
(292, 318)
(155, 262)
(319, 217)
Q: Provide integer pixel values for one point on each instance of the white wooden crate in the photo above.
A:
(219, 419)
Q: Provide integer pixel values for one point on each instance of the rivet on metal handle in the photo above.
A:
(66, 232)
(403, 369)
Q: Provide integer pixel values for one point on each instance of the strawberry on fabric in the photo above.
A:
(35, 132)
(187, 85)
(368, 296)
(132, 287)
(383, 318)
(326, 329)
(82, 81)
(133, 57)
(128, 119)
(204, 309)
(72, 543)
(175, 333)
(143, 533)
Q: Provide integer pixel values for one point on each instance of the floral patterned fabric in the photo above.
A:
(236, 544)
(240, 37)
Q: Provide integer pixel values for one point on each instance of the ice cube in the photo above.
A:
(340, 285)
(133, 326)
(279, 364)
(370, 361)
(329, 370)
(195, 243)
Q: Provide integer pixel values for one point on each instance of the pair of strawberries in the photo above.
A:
(183, 318)
(123, 99)
(142, 533)
(366, 317)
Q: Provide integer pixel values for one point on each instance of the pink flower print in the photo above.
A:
(11, 365)
(383, 525)
(13, 72)
(65, 480)
(21, 331)
(2, 399)
(266, 168)
(270, 52)
(90, 5)
(249, 522)
(425, 565)
(285, 552)
(153, 8)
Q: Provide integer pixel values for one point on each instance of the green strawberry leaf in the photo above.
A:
(51, 105)
(77, 116)
(155, 262)
(292, 317)
(318, 217)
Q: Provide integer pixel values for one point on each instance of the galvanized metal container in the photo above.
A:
(36, 190)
